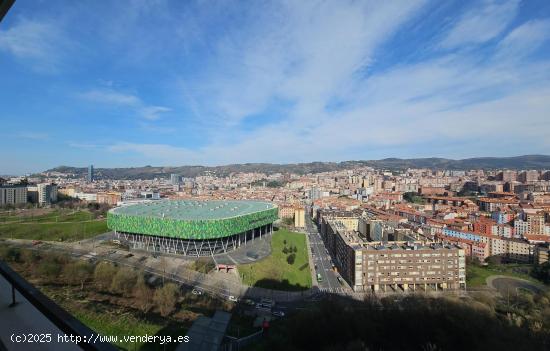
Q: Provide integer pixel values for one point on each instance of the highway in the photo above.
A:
(322, 260)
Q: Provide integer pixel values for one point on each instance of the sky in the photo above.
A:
(135, 83)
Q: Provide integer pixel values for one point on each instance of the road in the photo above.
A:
(322, 260)
(510, 285)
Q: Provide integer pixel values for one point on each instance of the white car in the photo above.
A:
(196, 292)
(278, 313)
(232, 298)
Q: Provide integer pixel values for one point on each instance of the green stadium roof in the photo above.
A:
(191, 219)
(194, 210)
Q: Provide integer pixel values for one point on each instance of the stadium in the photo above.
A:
(191, 227)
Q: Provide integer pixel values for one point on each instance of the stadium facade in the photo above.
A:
(191, 227)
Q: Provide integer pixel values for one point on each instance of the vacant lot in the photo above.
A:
(276, 271)
(57, 225)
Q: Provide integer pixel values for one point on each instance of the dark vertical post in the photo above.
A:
(13, 302)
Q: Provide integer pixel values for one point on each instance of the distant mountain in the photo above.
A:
(393, 164)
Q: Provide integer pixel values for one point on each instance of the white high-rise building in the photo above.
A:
(47, 193)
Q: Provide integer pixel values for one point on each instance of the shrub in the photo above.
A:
(204, 265)
(103, 275)
(124, 281)
(78, 272)
(143, 294)
(10, 254)
(166, 298)
(49, 270)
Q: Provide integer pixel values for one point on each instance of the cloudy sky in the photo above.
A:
(131, 83)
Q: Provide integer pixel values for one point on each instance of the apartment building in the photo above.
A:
(541, 253)
(110, 198)
(13, 194)
(399, 265)
(286, 212)
(299, 217)
(528, 176)
(47, 193)
(514, 249)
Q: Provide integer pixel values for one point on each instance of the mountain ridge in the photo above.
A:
(392, 164)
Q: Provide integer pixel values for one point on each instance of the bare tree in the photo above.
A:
(166, 298)
(77, 273)
(144, 294)
(124, 281)
(103, 275)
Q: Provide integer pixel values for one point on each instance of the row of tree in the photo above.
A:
(103, 277)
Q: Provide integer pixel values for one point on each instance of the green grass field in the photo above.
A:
(274, 272)
(54, 226)
(477, 275)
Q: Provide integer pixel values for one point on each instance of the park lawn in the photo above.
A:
(477, 275)
(274, 272)
(57, 215)
(68, 227)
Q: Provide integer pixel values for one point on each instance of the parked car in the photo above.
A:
(232, 298)
(278, 313)
(263, 306)
(267, 301)
(196, 292)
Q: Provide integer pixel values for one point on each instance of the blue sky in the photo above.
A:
(132, 83)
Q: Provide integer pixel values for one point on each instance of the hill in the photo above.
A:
(393, 164)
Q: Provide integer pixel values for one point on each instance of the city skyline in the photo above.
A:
(182, 84)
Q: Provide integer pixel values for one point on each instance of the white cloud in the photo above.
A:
(38, 43)
(33, 135)
(307, 56)
(482, 23)
(298, 52)
(79, 145)
(153, 112)
(523, 40)
(112, 97)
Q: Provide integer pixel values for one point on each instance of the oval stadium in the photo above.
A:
(192, 227)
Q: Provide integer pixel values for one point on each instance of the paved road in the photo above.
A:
(322, 260)
(510, 285)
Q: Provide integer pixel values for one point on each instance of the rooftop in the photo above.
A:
(193, 209)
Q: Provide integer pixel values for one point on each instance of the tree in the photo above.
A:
(291, 258)
(542, 272)
(124, 281)
(144, 294)
(285, 250)
(204, 264)
(103, 275)
(166, 298)
(49, 270)
(494, 260)
(78, 272)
